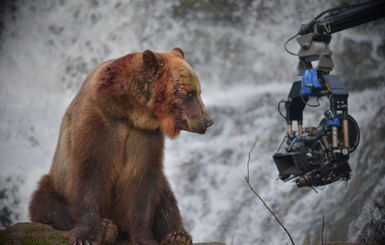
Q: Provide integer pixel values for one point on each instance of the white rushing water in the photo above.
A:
(48, 47)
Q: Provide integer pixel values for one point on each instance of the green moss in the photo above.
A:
(31, 234)
(34, 241)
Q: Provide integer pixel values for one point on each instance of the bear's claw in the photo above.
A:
(178, 238)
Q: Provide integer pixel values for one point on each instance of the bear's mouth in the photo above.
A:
(199, 128)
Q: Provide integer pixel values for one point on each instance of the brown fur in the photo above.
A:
(108, 161)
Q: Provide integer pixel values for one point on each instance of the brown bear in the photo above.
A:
(108, 166)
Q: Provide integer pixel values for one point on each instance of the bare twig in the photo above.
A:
(322, 232)
(260, 198)
(235, 229)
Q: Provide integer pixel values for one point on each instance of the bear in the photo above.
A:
(107, 175)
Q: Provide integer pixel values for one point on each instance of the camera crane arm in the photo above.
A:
(345, 17)
(317, 156)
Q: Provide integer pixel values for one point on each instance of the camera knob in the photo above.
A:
(345, 151)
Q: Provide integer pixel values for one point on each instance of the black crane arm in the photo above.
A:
(341, 18)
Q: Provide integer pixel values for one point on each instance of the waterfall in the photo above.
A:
(236, 47)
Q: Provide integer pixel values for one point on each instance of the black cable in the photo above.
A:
(279, 148)
(288, 40)
(311, 23)
(305, 102)
(279, 110)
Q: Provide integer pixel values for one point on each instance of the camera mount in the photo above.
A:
(317, 156)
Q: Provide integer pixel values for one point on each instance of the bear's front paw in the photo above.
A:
(109, 232)
(177, 238)
(84, 235)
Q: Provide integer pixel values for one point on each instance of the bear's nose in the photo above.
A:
(209, 123)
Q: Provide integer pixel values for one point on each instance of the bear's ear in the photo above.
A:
(149, 59)
(179, 52)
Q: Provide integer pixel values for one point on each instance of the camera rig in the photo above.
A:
(317, 156)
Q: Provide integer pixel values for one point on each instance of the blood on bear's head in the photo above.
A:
(177, 101)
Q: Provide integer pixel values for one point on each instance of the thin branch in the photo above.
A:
(322, 232)
(236, 226)
(260, 198)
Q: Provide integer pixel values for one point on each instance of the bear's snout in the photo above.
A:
(202, 127)
(209, 122)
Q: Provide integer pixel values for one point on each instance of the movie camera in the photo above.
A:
(317, 156)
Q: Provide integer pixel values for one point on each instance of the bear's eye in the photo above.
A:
(190, 96)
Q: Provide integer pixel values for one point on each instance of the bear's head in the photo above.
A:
(175, 93)
(153, 90)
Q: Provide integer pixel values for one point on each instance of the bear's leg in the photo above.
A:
(168, 224)
(89, 203)
(134, 216)
(48, 207)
